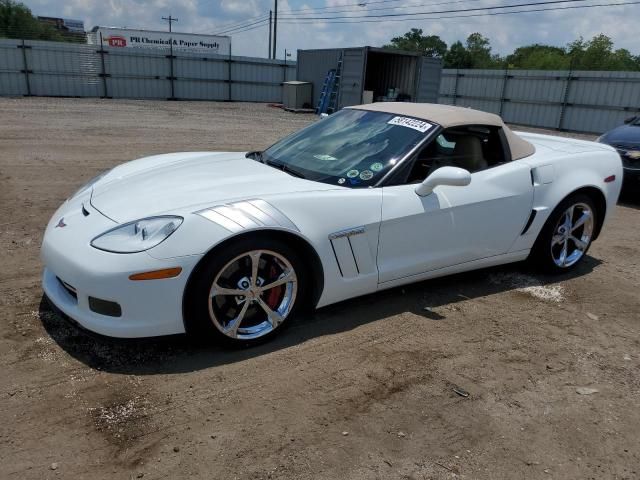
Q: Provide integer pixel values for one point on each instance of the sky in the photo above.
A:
(506, 32)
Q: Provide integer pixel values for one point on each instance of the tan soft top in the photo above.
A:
(450, 116)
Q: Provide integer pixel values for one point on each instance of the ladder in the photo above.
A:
(327, 87)
(328, 101)
(333, 96)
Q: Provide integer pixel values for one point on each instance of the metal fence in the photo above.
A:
(72, 70)
(581, 101)
(565, 100)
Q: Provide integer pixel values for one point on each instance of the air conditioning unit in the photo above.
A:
(296, 95)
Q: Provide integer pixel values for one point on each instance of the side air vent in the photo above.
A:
(248, 214)
(352, 252)
(70, 289)
(532, 217)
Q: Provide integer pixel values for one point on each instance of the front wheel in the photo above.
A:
(246, 292)
(566, 236)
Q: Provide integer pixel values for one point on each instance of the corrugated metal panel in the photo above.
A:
(352, 81)
(313, 65)
(580, 101)
(489, 83)
(68, 71)
(63, 69)
(429, 80)
(12, 82)
(146, 88)
(447, 83)
(545, 116)
(621, 89)
(136, 64)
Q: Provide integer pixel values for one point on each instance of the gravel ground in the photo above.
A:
(362, 390)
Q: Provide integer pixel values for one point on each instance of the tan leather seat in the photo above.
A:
(467, 154)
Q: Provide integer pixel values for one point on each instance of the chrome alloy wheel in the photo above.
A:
(252, 294)
(572, 235)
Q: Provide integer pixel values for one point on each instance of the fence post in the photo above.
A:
(229, 75)
(26, 70)
(455, 87)
(171, 77)
(505, 79)
(284, 70)
(103, 74)
(565, 96)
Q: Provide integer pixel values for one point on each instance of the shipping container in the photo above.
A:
(384, 74)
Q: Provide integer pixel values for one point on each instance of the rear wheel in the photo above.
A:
(245, 293)
(566, 236)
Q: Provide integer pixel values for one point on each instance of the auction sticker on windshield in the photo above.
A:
(418, 125)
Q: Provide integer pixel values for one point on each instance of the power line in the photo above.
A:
(359, 4)
(238, 24)
(486, 14)
(231, 30)
(388, 15)
(264, 23)
(394, 7)
(233, 27)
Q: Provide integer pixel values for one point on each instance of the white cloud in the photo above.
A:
(250, 7)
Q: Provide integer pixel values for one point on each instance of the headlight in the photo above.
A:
(137, 236)
(90, 183)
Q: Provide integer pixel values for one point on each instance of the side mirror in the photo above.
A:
(630, 119)
(454, 176)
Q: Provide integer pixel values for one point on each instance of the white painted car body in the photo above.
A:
(366, 239)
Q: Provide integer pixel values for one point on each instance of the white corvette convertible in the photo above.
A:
(232, 245)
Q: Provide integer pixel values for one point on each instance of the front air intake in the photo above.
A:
(105, 307)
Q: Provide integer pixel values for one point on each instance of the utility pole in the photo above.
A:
(270, 20)
(170, 19)
(275, 27)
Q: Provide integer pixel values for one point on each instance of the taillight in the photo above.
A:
(610, 178)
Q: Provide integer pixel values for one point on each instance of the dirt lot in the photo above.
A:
(360, 390)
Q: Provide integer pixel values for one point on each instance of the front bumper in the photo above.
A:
(74, 271)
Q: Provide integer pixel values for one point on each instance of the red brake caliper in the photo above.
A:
(273, 296)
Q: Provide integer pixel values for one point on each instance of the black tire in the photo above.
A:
(542, 256)
(199, 323)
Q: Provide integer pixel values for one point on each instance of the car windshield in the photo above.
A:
(352, 148)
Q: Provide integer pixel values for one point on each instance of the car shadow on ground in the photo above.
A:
(630, 198)
(178, 354)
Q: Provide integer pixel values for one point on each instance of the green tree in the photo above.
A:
(479, 49)
(538, 57)
(598, 54)
(415, 41)
(16, 21)
(457, 57)
(595, 54)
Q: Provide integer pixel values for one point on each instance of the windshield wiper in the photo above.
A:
(257, 155)
(284, 168)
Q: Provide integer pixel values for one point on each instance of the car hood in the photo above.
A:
(192, 180)
(625, 134)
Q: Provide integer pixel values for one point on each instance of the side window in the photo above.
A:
(473, 148)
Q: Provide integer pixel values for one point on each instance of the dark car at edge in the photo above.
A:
(626, 140)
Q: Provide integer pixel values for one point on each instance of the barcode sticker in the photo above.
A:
(418, 125)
